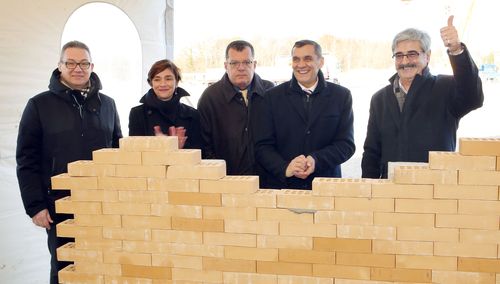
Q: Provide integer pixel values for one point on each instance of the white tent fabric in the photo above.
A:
(30, 41)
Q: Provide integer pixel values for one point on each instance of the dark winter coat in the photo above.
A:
(56, 129)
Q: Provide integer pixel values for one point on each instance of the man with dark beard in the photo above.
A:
(419, 112)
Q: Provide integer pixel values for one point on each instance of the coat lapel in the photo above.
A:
(298, 105)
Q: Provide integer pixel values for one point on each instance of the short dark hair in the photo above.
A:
(239, 45)
(74, 44)
(317, 47)
(161, 65)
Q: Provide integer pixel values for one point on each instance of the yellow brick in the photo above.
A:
(306, 256)
(341, 271)
(287, 279)
(197, 250)
(366, 232)
(456, 161)
(424, 175)
(235, 265)
(178, 261)
(229, 213)
(427, 262)
(206, 169)
(262, 198)
(186, 211)
(479, 146)
(427, 234)
(401, 274)
(143, 196)
(121, 183)
(308, 230)
(251, 227)
(146, 222)
(364, 259)
(90, 169)
(467, 221)
(94, 195)
(182, 185)
(141, 246)
(127, 257)
(465, 249)
(64, 181)
(403, 247)
(403, 219)
(176, 157)
(98, 244)
(342, 245)
(121, 279)
(198, 225)
(270, 267)
(263, 254)
(344, 217)
(498, 166)
(149, 143)
(468, 177)
(126, 208)
(364, 204)
(111, 156)
(194, 198)
(290, 242)
(68, 228)
(342, 187)
(459, 277)
(393, 190)
(112, 221)
(231, 184)
(426, 206)
(479, 192)
(149, 272)
(68, 252)
(478, 265)
(176, 236)
(230, 239)
(271, 214)
(69, 275)
(480, 207)
(126, 234)
(479, 236)
(141, 171)
(191, 275)
(67, 205)
(352, 281)
(92, 267)
(254, 278)
(303, 199)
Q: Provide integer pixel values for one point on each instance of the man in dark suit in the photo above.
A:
(304, 127)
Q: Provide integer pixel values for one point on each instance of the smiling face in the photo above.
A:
(306, 65)
(78, 77)
(164, 84)
(411, 64)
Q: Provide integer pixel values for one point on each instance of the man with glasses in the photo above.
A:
(419, 112)
(304, 129)
(59, 126)
(226, 110)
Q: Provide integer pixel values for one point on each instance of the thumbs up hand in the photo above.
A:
(449, 35)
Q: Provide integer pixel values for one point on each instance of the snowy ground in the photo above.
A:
(24, 257)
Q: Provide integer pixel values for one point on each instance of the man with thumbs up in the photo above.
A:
(419, 112)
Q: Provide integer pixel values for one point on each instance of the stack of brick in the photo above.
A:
(150, 213)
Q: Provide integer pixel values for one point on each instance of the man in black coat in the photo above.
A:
(418, 112)
(226, 110)
(304, 127)
(59, 126)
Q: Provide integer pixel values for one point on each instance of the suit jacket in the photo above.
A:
(285, 130)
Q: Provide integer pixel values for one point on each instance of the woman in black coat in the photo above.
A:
(161, 112)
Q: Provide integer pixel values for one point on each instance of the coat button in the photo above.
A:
(308, 132)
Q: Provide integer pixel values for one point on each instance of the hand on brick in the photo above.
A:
(43, 219)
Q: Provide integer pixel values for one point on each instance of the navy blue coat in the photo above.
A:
(429, 120)
(282, 132)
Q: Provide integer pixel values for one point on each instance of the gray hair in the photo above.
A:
(74, 44)
(413, 34)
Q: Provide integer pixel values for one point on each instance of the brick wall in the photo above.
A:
(150, 213)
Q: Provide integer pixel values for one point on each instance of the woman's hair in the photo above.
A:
(161, 65)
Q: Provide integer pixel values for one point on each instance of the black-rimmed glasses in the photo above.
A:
(72, 64)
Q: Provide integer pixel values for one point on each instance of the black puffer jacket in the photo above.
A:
(56, 129)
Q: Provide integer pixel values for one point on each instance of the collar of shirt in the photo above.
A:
(311, 88)
(401, 86)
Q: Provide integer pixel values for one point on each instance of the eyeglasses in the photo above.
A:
(236, 64)
(72, 65)
(411, 55)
